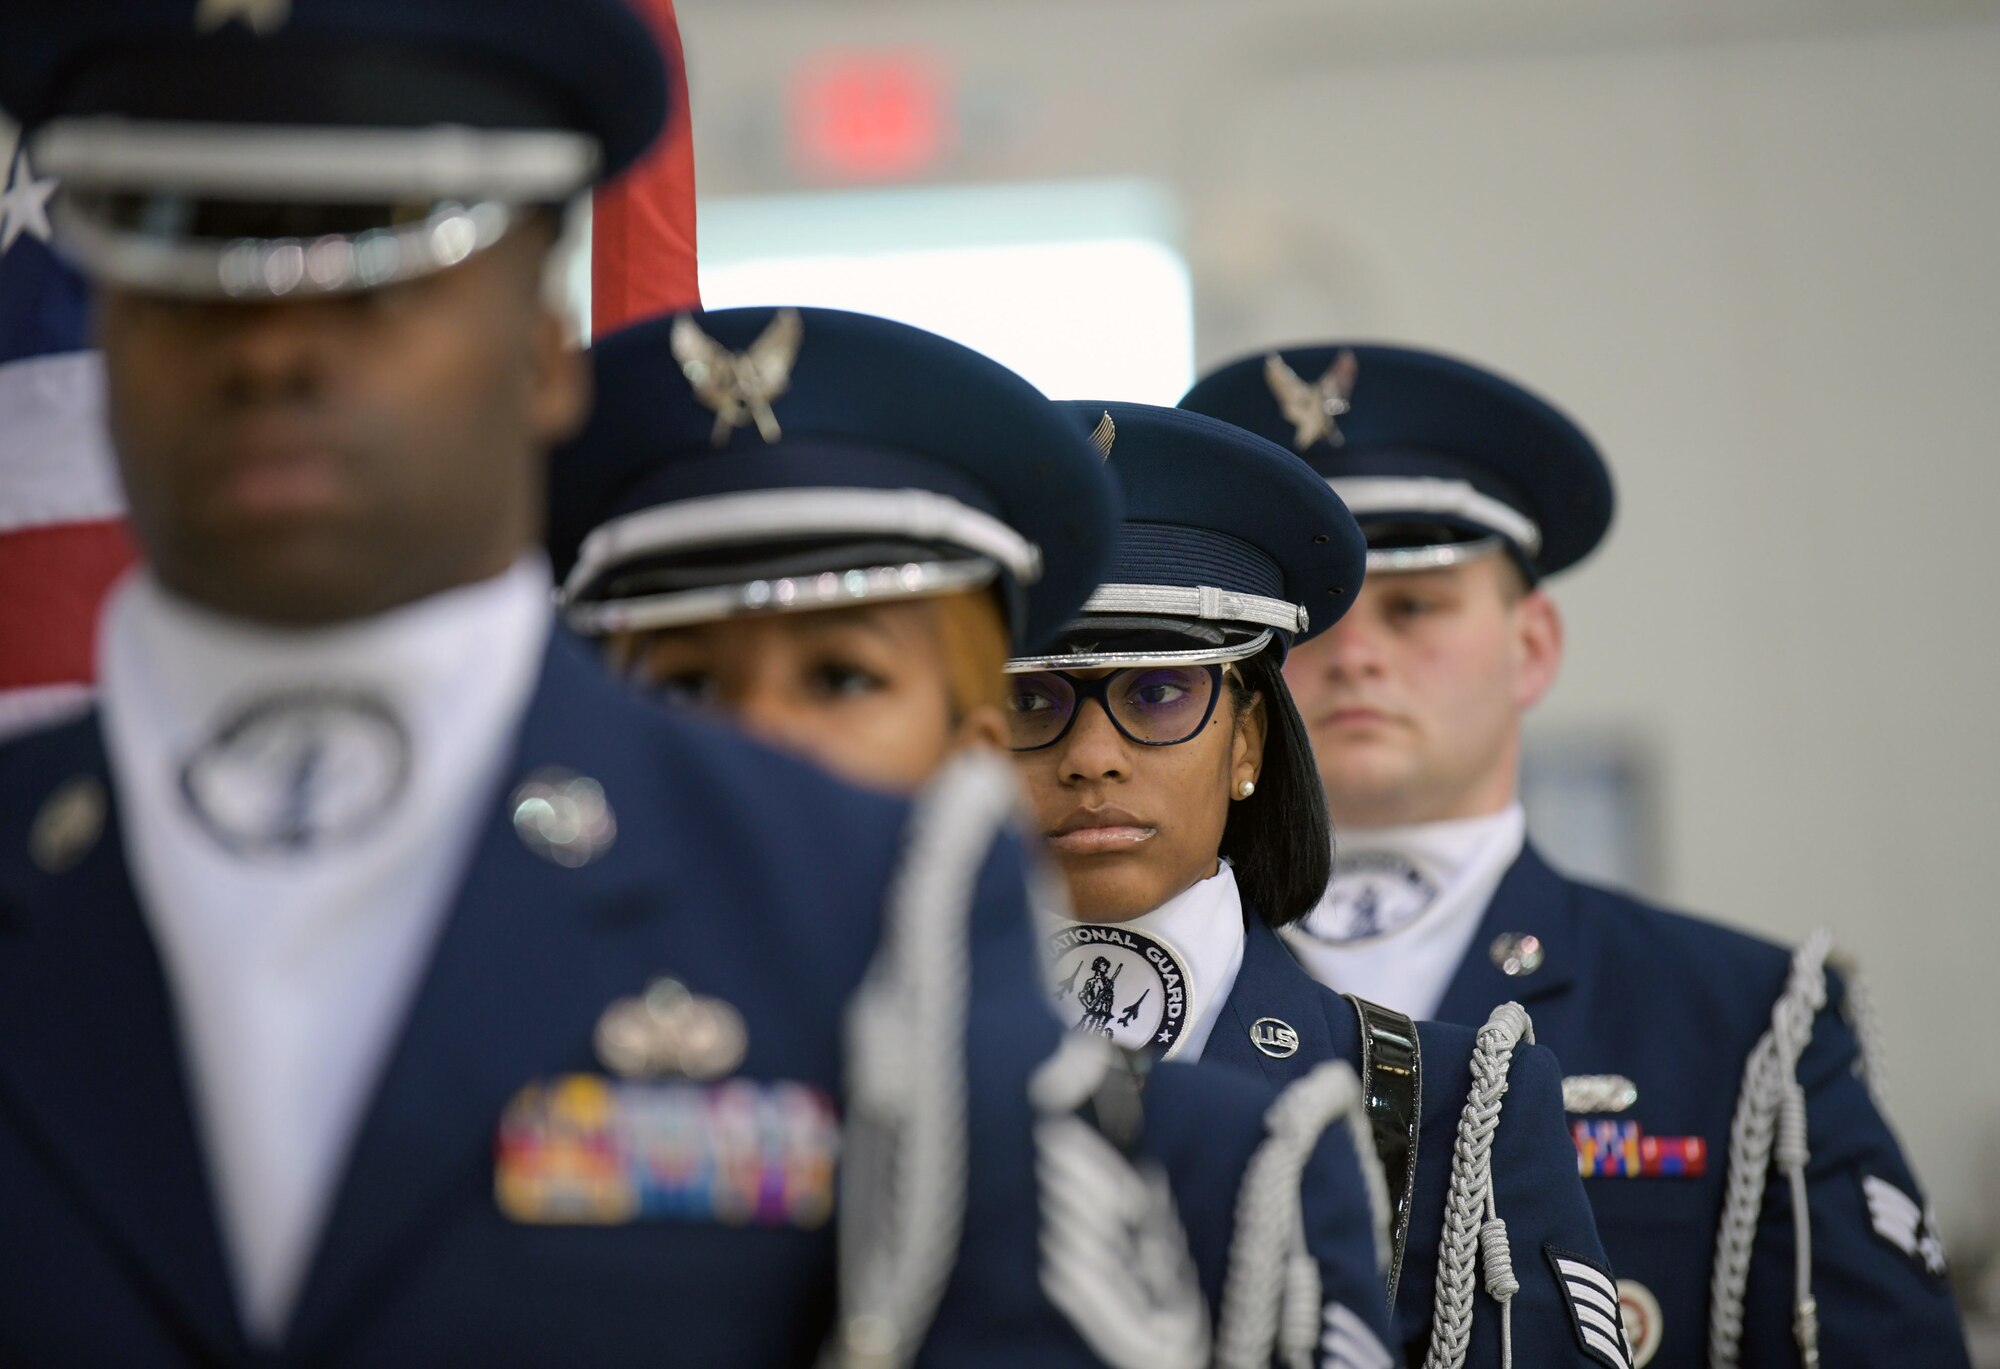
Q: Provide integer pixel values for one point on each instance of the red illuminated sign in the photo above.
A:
(871, 116)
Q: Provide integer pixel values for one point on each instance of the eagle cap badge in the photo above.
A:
(740, 386)
(1312, 409)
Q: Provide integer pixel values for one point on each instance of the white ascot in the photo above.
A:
(298, 809)
(1404, 905)
(1157, 982)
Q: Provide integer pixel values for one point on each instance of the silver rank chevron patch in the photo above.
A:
(1898, 1220)
(1350, 1343)
(1312, 409)
(1592, 1299)
(740, 386)
(1114, 1256)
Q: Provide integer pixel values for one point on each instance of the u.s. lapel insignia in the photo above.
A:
(68, 825)
(1274, 1037)
(259, 16)
(1313, 409)
(585, 1150)
(1592, 1300)
(1644, 1326)
(1622, 1150)
(1904, 1224)
(1598, 1093)
(669, 1031)
(740, 386)
(1516, 953)
(563, 817)
(1122, 984)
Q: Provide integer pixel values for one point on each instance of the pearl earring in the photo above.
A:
(1246, 789)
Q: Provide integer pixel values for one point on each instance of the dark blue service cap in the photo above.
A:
(279, 148)
(1231, 545)
(759, 460)
(1440, 460)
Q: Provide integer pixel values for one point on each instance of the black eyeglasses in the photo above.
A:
(1150, 705)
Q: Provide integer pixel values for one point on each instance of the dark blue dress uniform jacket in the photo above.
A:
(746, 875)
(1676, 1004)
(1535, 1184)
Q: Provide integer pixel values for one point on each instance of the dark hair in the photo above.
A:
(1279, 839)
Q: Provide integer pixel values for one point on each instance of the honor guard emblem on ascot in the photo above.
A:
(564, 817)
(1312, 409)
(1122, 984)
(68, 825)
(1275, 1038)
(740, 386)
(298, 771)
(1372, 894)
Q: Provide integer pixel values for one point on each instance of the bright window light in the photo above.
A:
(1077, 287)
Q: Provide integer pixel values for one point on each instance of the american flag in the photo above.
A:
(62, 533)
(642, 240)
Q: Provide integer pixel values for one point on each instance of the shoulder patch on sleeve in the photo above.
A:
(1350, 1343)
(1592, 1299)
(1900, 1221)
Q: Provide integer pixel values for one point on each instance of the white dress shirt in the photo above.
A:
(298, 808)
(1404, 905)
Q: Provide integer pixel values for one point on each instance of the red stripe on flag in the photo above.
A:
(56, 578)
(642, 236)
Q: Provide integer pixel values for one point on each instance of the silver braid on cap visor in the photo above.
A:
(281, 268)
(780, 594)
(308, 165)
(472, 182)
(1092, 660)
(1369, 496)
(1204, 602)
(1388, 560)
(754, 517)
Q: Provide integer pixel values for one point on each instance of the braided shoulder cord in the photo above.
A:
(1271, 1295)
(1770, 1116)
(903, 1168)
(1867, 1024)
(1471, 1221)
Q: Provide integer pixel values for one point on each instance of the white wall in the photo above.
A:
(1754, 253)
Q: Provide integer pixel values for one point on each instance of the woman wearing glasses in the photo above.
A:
(1175, 787)
(832, 531)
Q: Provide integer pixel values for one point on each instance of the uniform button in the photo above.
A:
(563, 817)
(1516, 953)
(68, 826)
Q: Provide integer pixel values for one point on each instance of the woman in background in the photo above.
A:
(1176, 789)
(833, 531)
